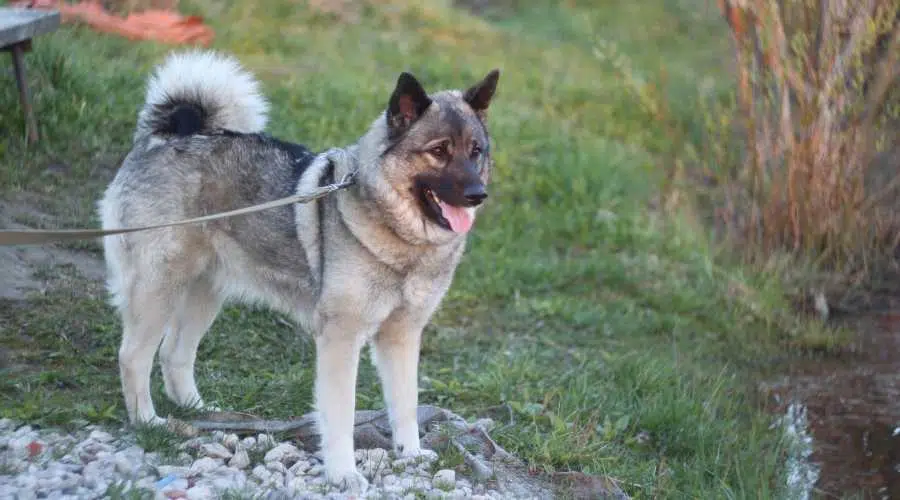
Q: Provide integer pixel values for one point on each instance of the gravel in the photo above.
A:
(94, 463)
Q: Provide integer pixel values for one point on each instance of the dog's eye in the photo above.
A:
(440, 151)
(476, 151)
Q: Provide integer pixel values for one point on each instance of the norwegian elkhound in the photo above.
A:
(365, 265)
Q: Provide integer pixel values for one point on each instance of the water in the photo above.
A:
(843, 416)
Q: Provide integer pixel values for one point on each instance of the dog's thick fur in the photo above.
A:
(365, 265)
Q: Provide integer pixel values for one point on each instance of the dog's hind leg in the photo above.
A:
(194, 315)
(144, 316)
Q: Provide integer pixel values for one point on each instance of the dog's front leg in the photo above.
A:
(395, 352)
(337, 360)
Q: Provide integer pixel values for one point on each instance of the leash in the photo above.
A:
(10, 237)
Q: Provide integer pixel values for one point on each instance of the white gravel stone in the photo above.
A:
(276, 467)
(215, 450)
(200, 493)
(231, 441)
(284, 452)
(444, 479)
(86, 463)
(300, 467)
(260, 472)
(173, 470)
(204, 465)
(264, 441)
(103, 437)
(240, 459)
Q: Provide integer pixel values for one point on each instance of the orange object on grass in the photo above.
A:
(155, 24)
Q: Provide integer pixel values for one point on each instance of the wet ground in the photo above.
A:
(853, 407)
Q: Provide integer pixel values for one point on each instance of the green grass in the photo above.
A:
(604, 335)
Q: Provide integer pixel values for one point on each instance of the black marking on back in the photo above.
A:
(301, 156)
(181, 115)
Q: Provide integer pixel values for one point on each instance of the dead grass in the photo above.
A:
(817, 83)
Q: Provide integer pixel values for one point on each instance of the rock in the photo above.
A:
(373, 462)
(276, 479)
(285, 453)
(260, 472)
(276, 467)
(22, 431)
(125, 465)
(172, 470)
(240, 460)
(192, 444)
(249, 442)
(103, 437)
(231, 441)
(296, 485)
(200, 493)
(300, 467)
(215, 450)
(444, 479)
(410, 483)
(264, 441)
(204, 465)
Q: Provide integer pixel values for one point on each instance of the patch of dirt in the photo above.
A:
(853, 405)
(24, 269)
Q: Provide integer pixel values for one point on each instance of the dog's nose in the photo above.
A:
(474, 194)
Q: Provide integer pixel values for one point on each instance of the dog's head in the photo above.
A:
(436, 157)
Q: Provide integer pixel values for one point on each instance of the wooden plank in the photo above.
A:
(18, 25)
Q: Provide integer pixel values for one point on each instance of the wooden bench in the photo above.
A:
(17, 28)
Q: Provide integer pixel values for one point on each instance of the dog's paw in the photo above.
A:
(151, 421)
(347, 480)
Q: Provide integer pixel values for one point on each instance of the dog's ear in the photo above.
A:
(479, 95)
(407, 103)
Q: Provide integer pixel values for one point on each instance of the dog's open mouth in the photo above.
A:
(450, 217)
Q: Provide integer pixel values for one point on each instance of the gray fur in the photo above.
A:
(364, 265)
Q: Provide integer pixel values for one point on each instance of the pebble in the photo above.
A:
(204, 465)
(286, 453)
(444, 479)
(230, 441)
(95, 462)
(240, 460)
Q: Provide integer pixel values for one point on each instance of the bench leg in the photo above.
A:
(18, 55)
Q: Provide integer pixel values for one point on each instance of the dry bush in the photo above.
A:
(817, 102)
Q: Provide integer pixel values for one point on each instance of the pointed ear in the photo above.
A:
(407, 103)
(479, 95)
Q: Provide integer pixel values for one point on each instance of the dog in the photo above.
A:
(365, 265)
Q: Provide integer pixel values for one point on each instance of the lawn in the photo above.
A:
(605, 335)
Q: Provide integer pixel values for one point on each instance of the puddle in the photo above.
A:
(802, 472)
(847, 410)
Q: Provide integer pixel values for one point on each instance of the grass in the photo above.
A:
(604, 335)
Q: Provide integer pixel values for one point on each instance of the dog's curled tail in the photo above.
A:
(198, 91)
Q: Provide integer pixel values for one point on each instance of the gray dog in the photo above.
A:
(369, 264)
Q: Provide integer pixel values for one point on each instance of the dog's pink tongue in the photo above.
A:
(459, 218)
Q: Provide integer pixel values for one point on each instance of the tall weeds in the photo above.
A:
(800, 158)
(817, 96)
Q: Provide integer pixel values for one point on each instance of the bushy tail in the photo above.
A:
(198, 91)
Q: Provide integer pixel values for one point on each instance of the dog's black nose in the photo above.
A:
(475, 194)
